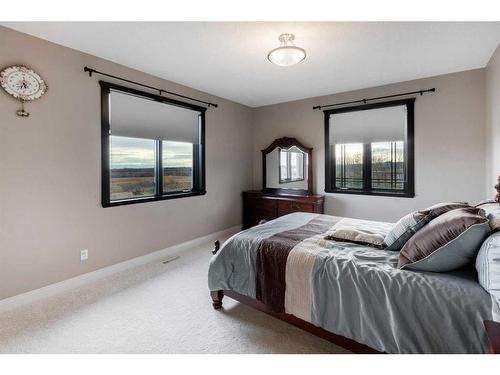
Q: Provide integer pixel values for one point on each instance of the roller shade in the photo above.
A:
(139, 117)
(367, 126)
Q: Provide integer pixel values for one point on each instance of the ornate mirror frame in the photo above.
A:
(287, 142)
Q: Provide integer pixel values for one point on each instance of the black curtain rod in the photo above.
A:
(161, 91)
(421, 92)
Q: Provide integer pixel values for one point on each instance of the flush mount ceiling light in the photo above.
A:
(286, 54)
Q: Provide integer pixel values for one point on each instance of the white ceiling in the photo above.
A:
(228, 59)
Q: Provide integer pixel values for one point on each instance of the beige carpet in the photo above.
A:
(154, 308)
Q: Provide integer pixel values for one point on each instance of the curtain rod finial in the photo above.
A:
(87, 69)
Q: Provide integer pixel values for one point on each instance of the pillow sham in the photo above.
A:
(488, 265)
(408, 225)
(440, 208)
(448, 242)
(357, 236)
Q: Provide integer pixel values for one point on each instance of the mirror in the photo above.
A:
(287, 167)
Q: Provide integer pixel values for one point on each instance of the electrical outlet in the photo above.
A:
(84, 255)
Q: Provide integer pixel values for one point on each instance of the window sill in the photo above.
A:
(290, 181)
(153, 199)
(374, 193)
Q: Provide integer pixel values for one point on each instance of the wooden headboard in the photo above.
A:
(497, 186)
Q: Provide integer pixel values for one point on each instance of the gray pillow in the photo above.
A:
(408, 225)
(488, 265)
(448, 242)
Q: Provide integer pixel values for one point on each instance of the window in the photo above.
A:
(349, 166)
(291, 165)
(132, 171)
(369, 149)
(177, 166)
(152, 147)
(388, 167)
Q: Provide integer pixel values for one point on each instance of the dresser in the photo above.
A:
(259, 206)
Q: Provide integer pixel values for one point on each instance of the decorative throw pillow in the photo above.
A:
(408, 225)
(448, 242)
(441, 208)
(491, 210)
(357, 236)
(488, 201)
(488, 265)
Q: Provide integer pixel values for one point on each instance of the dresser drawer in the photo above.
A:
(265, 209)
(286, 207)
(257, 209)
(258, 206)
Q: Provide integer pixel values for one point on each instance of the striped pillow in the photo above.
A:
(406, 227)
(488, 265)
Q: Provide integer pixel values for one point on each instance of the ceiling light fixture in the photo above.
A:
(286, 54)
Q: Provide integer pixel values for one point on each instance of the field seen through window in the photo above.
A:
(132, 173)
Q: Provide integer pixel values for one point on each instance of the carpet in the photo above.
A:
(153, 308)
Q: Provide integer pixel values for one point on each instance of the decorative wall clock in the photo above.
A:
(23, 84)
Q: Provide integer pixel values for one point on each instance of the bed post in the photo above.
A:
(497, 186)
(216, 247)
(217, 296)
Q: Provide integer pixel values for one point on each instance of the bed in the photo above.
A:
(351, 294)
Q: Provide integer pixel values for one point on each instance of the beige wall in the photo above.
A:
(50, 174)
(50, 163)
(449, 143)
(492, 122)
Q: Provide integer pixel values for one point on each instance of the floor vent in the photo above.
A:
(170, 259)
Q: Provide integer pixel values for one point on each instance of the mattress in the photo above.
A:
(353, 290)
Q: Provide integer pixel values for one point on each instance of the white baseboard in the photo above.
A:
(52, 289)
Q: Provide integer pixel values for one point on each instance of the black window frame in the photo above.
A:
(198, 150)
(409, 147)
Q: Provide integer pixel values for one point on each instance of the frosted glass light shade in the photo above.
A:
(287, 54)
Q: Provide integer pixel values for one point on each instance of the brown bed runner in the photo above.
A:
(272, 257)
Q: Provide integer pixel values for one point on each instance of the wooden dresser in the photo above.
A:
(259, 206)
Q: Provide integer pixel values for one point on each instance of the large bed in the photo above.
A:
(355, 292)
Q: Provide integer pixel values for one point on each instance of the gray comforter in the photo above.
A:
(353, 290)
